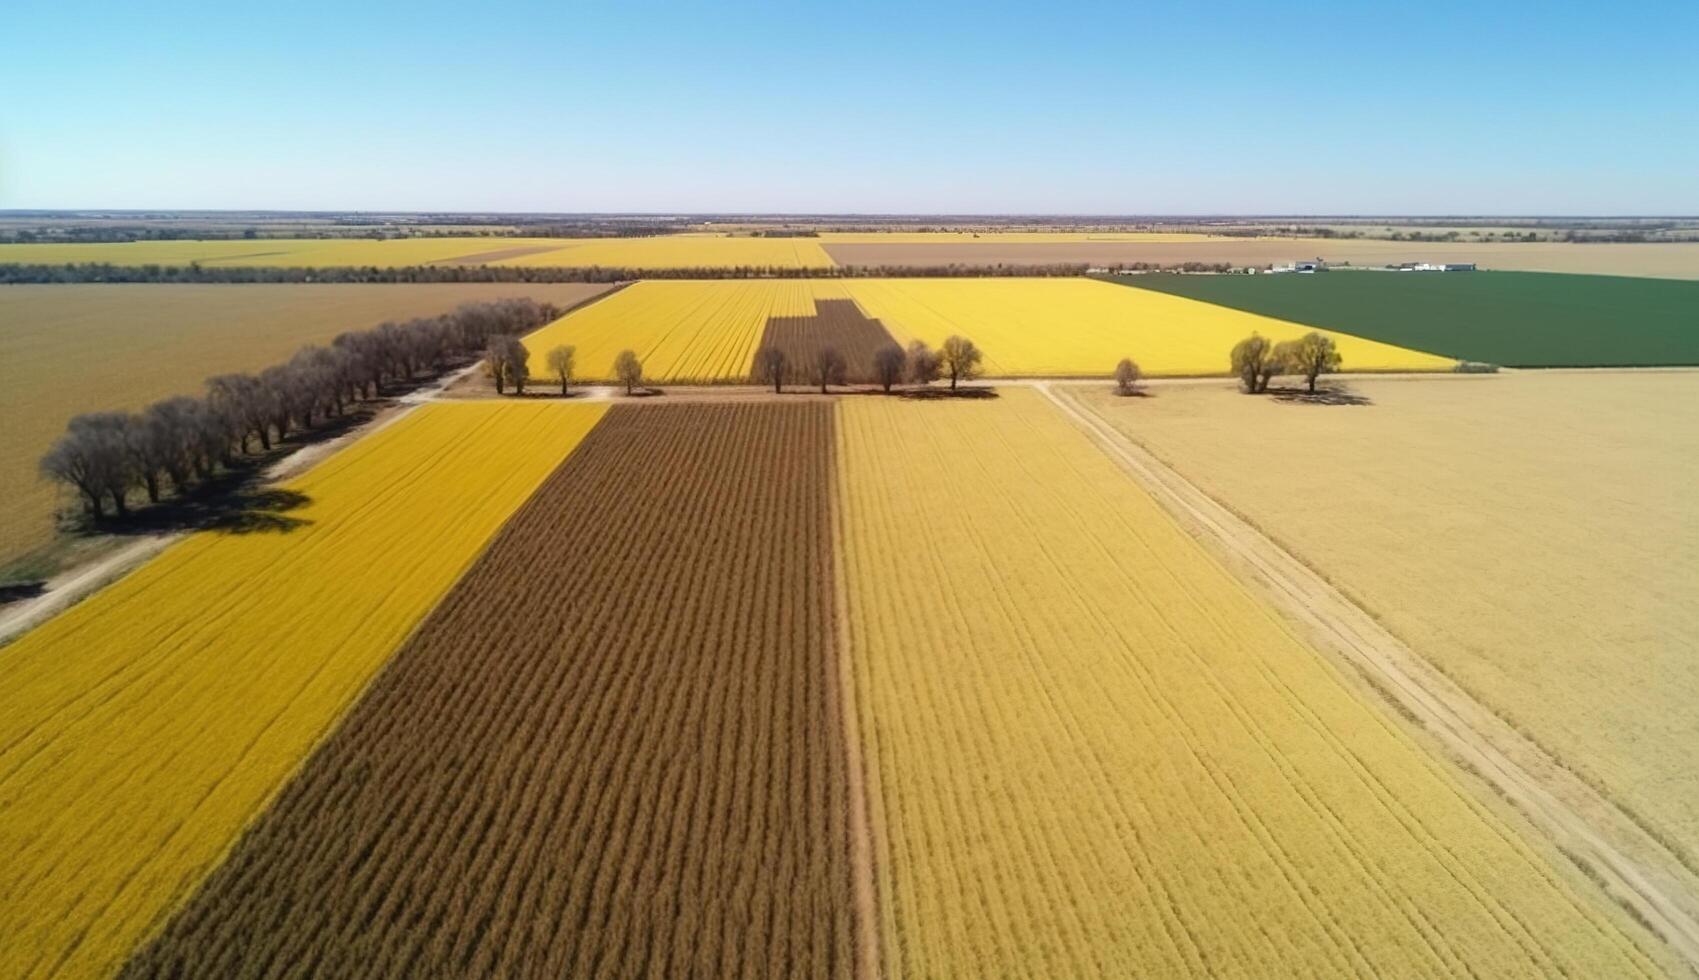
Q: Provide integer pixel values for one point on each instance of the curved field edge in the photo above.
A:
(1095, 754)
(613, 749)
(143, 729)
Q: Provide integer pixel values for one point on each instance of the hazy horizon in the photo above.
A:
(1237, 109)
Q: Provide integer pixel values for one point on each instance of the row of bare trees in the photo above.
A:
(1257, 360)
(958, 359)
(174, 444)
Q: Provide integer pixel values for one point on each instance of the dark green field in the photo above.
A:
(1517, 319)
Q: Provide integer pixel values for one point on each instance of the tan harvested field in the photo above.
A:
(614, 750)
(1659, 260)
(1533, 535)
(71, 349)
(837, 323)
(1093, 752)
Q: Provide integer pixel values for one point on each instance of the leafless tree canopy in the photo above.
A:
(1127, 376)
(507, 361)
(770, 367)
(561, 360)
(888, 365)
(629, 370)
(1312, 355)
(172, 444)
(923, 365)
(1256, 362)
(960, 358)
(828, 368)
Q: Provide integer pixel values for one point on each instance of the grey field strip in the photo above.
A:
(1633, 867)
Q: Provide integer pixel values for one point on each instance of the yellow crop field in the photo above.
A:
(682, 252)
(1093, 752)
(107, 347)
(141, 731)
(688, 330)
(1069, 327)
(1534, 535)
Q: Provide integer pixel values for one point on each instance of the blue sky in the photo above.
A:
(1222, 107)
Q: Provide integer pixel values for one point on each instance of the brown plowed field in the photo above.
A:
(615, 749)
(836, 323)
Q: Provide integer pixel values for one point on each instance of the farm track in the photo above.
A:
(836, 323)
(1631, 866)
(614, 749)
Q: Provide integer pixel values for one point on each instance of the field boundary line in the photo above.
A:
(76, 584)
(869, 964)
(1631, 866)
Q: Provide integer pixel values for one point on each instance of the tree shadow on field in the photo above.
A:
(245, 509)
(1325, 394)
(19, 591)
(944, 394)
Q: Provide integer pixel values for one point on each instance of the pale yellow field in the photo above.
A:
(682, 252)
(311, 252)
(142, 730)
(1072, 327)
(1095, 754)
(1534, 535)
(683, 330)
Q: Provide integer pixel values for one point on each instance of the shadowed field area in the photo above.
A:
(613, 750)
(837, 323)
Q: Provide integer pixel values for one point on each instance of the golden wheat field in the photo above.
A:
(687, 330)
(1534, 535)
(1061, 327)
(86, 348)
(143, 729)
(1092, 752)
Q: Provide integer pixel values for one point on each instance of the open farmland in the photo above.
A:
(613, 750)
(1519, 319)
(682, 252)
(143, 729)
(1092, 752)
(708, 330)
(71, 349)
(838, 324)
(683, 331)
(1070, 327)
(1427, 504)
(1659, 259)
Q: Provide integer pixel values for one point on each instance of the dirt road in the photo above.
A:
(1633, 867)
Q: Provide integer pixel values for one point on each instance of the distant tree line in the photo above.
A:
(175, 444)
(102, 272)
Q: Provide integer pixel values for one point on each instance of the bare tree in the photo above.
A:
(629, 370)
(495, 363)
(1255, 362)
(888, 364)
(89, 457)
(960, 359)
(173, 426)
(507, 361)
(147, 447)
(923, 366)
(1126, 376)
(561, 360)
(1312, 356)
(828, 368)
(770, 366)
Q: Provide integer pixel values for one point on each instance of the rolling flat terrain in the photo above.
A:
(65, 350)
(1517, 319)
(629, 704)
(708, 330)
(1092, 752)
(1665, 260)
(142, 730)
(1532, 535)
